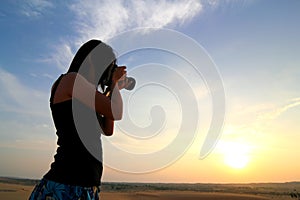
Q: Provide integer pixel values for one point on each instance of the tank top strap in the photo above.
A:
(54, 88)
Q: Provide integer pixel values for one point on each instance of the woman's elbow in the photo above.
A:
(108, 133)
(116, 115)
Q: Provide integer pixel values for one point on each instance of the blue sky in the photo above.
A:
(255, 45)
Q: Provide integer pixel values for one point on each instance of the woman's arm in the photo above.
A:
(78, 87)
(107, 124)
(111, 108)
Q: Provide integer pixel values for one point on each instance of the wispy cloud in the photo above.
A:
(227, 3)
(257, 116)
(16, 97)
(256, 123)
(36, 8)
(279, 110)
(25, 115)
(104, 19)
(62, 55)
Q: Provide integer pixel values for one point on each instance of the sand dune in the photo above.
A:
(179, 195)
(14, 191)
(21, 192)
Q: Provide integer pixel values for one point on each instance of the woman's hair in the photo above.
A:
(96, 54)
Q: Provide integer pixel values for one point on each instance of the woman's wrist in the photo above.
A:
(113, 85)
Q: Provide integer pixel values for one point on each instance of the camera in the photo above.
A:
(130, 83)
(106, 79)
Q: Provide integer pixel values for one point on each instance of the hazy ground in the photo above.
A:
(177, 195)
(20, 189)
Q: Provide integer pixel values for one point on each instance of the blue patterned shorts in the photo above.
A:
(50, 190)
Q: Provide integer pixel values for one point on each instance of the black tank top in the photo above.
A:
(73, 163)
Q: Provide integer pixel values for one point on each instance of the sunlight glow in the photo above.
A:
(236, 154)
(236, 160)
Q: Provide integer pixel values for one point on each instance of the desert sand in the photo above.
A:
(179, 195)
(20, 189)
(14, 191)
(21, 192)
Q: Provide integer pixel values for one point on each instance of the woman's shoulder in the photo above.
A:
(70, 76)
(63, 86)
(66, 76)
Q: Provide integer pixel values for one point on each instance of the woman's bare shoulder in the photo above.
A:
(64, 87)
(71, 76)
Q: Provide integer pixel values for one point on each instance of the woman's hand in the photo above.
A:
(119, 77)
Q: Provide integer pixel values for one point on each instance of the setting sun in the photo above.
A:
(236, 160)
(235, 154)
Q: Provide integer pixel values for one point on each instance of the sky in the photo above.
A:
(253, 45)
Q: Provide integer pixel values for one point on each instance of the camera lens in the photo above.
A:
(130, 83)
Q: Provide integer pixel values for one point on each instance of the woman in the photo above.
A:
(76, 171)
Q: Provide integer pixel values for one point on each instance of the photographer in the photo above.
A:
(76, 172)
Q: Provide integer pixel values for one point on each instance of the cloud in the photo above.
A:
(278, 111)
(25, 115)
(256, 120)
(62, 56)
(17, 98)
(257, 116)
(35, 8)
(104, 19)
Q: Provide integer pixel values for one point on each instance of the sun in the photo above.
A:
(236, 160)
(235, 154)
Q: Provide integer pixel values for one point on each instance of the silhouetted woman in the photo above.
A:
(78, 107)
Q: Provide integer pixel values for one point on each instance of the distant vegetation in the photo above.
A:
(277, 189)
(20, 181)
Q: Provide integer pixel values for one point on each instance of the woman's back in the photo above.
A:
(74, 164)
